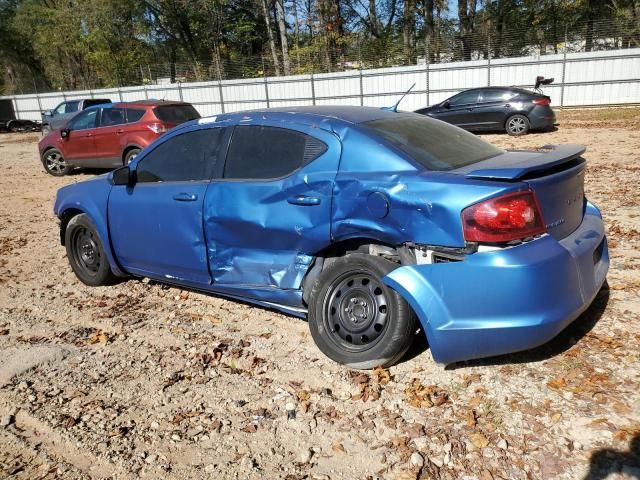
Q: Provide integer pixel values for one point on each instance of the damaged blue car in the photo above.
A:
(369, 223)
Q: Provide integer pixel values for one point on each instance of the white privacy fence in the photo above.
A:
(581, 79)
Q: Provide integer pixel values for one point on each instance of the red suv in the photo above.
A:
(110, 135)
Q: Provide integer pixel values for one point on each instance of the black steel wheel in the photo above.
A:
(356, 311)
(54, 163)
(354, 318)
(86, 253)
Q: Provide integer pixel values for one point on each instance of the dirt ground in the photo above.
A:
(141, 380)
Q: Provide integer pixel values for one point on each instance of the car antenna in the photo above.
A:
(395, 107)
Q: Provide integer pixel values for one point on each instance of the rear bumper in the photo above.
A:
(542, 118)
(510, 299)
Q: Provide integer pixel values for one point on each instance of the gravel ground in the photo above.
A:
(142, 380)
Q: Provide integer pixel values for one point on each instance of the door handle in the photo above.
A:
(507, 105)
(303, 200)
(120, 132)
(185, 197)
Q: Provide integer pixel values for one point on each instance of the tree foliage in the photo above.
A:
(83, 44)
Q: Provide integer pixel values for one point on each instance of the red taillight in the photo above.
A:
(541, 101)
(509, 217)
(157, 128)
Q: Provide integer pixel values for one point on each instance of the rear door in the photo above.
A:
(493, 108)
(79, 146)
(460, 110)
(109, 136)
(156, 225)
(271, 211)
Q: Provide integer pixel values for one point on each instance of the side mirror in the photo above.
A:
(64, 133)
(446, 104)
(48, 113)
(122, 176)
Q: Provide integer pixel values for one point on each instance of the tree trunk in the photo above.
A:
(428, 30)
(374, 25)
(282, 26)
(272, 42)
(296, 23)
(409, 30)
(466, 14)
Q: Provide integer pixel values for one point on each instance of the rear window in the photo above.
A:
(434, 144)
(176, 113)
(95, 101)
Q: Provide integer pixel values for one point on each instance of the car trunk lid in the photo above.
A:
(554, 173)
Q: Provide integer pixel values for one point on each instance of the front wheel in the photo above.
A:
(355, 319)
(86, 252)
(54, 163)
(517, 125)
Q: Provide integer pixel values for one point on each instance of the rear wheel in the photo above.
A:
(130, 155)
(517, 125)
(354, 318)
(86, 252)
(54, 163)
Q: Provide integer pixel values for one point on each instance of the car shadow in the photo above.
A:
(559, 344)
(607, 461)
(504, 133)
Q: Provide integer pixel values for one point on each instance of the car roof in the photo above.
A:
(342, 113)
(512, 89)
(148, 103)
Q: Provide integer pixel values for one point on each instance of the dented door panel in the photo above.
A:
(264, 233)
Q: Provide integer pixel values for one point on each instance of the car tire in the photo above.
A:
(517, 125)
(85, 252)
(357, 320)
(54, 163)
(130, 155)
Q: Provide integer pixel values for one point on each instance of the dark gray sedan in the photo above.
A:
(510, 109)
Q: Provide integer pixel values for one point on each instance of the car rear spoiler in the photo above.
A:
(516, 164)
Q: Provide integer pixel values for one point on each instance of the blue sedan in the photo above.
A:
(369, 223)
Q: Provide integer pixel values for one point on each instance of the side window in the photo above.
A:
(268, 152)
(84, 120)
(464, 98)
(134, 114)
(191, 156)
(111, 117)
(491, 96)
(60, 109)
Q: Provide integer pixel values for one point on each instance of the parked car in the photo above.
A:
(65, 111)
(110, 135)
(360, 219)
(514, 110)
(9, 121)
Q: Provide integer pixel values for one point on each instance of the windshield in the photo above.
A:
(176, 113)
(434, 144)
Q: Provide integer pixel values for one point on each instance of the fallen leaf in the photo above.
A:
(382, 376)
(557, 383)
(249, 428)
(303, 395)
(479, 440)
(338, 448)
(470, 418)
(555, 418)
